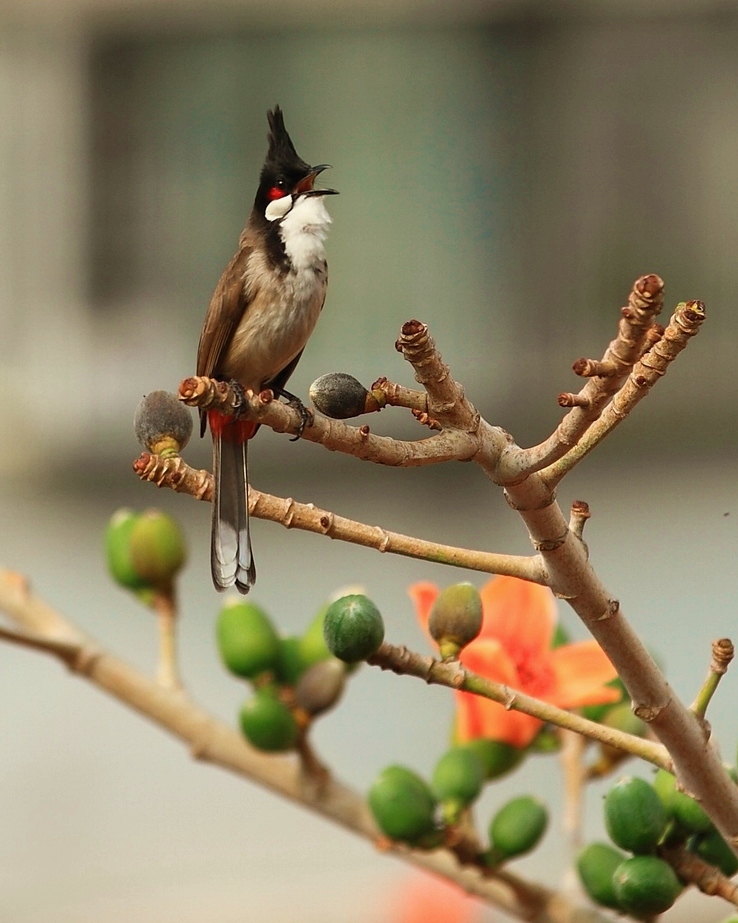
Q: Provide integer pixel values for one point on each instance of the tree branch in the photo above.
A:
(212, 741)
(455, 676)
(176, 474)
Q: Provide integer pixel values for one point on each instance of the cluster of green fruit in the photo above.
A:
(646, 820)
(295, 679)
(145, 551)
(410, 810)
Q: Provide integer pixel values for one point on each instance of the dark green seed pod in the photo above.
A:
(247, 640)
(634, 815)
(690, 815)
(158, 550)
(645, 885)
(517, 827)
(455, 619)
(457, 780)
(713, 849)
(340, 396)
(312, 644)
(402, 804)
(596, 865)
(118, 550)
(290, 665)
(497, 758)
(321, 686)
(162, 423)
(353, 628)
(267, 723)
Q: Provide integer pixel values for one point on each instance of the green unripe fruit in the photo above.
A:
(645, 885)
(685, 810)
(267, 723)
(157, 549)
(713, 849)
(353, 628)
(118, 550)
(321, 686)
(457, 780)
(312, 644)
(596, 864)
(517, 827)
(455, 619)
(497, 758)
(635, 818)
(247, 640)
(402, 804)
(289, 666)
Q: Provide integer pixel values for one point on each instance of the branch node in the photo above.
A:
(578, 518)
(613, 608)
(567, 399)
(594, 368)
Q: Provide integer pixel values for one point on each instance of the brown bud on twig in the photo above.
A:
(591, 368)
(340, 396)
(162, 425)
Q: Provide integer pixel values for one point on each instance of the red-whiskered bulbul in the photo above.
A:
(260, 317)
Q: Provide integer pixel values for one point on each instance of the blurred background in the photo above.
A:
(507, 169)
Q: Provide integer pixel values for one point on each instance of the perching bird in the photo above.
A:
(260, 317)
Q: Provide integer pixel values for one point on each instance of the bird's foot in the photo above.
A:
(306, 416)
(240, 401)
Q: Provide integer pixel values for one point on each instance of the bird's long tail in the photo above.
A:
(231, 559)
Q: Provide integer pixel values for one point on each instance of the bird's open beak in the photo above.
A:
(305, 186)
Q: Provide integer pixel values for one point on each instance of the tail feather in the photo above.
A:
(231, 560)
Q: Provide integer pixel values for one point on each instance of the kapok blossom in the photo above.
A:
(427, 899)
(514, 648)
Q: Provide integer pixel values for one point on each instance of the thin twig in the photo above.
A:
(452, 674)
(176, 474)
(722, 655)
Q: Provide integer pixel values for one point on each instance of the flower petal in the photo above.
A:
(520, 614)
(480, 717)
(423, 596)
(489, 658)
(581, 672)
(427, 899)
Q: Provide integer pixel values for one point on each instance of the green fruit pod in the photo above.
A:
(645, 885)
(402, 804)
(690, 815)
(290, 665)
(353, 628)
(596, 865)
(517, 827)
(497, 758)
(118, 550)
(158, 549)
(635, 817)
(457, 780)
(312, 644)
(267, 723)
(455, 619)
(713, 849)
(321, 686)
(247, 640)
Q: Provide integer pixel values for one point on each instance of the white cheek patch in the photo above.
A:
(278, 208)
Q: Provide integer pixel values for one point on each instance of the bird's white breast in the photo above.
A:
(303, 230)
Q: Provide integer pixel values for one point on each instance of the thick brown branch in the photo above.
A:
(176, 474)
(695, 871)
(453, 675)
(212, 741)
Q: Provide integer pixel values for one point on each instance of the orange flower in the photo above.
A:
(514, 648)
(427, 899)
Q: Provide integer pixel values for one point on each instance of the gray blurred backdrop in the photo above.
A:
(506, 169)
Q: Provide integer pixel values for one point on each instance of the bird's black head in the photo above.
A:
(284, 171)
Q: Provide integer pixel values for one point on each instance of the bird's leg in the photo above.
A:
(306, 416)
(239, 397)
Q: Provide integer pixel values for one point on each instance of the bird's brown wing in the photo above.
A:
(224, 314)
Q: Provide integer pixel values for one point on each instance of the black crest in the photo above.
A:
(282, 156)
